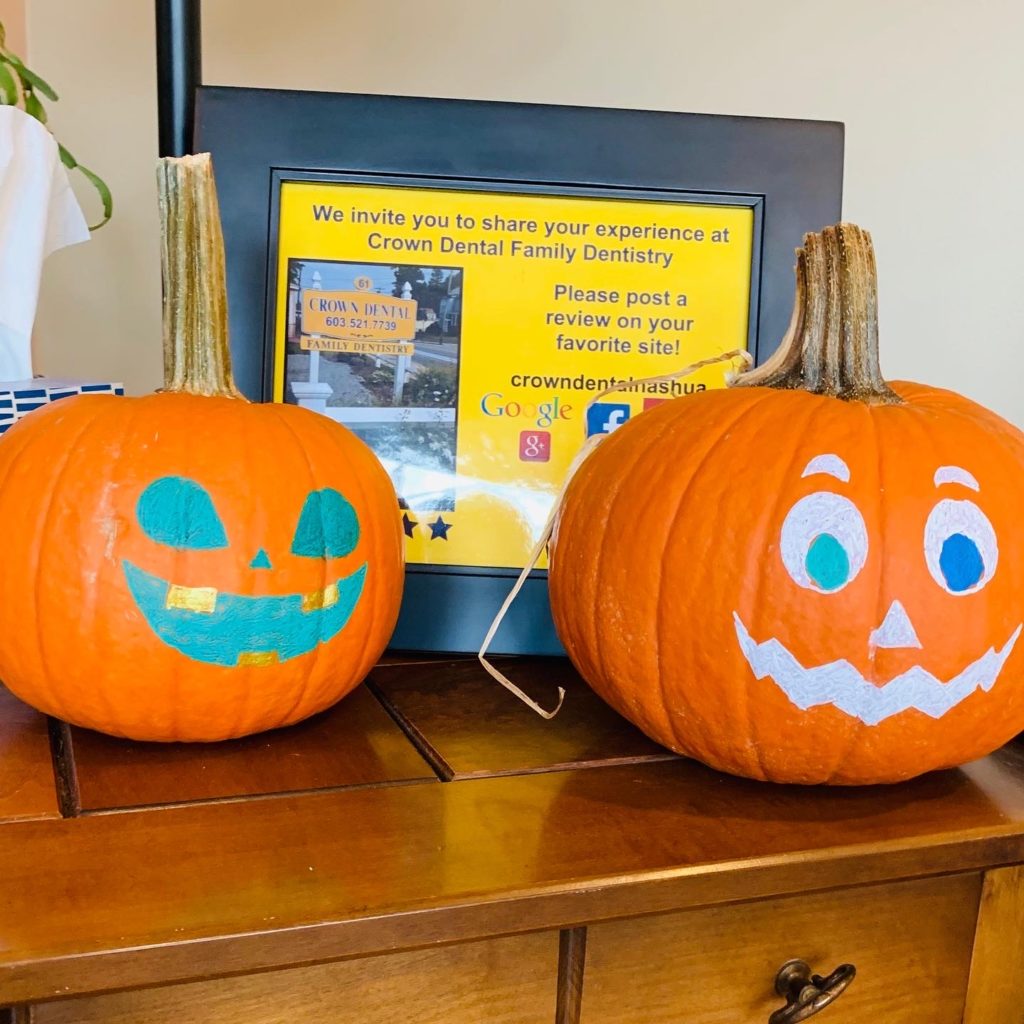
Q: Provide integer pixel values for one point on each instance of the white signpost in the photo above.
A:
(310, 393)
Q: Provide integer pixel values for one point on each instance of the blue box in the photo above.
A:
(19, 398)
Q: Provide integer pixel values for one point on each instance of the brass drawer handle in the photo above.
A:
(807, 994)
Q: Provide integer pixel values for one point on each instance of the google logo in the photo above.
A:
(545, 413)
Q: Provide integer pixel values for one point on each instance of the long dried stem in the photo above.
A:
(197, 358)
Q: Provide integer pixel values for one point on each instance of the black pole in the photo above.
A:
(179, 68)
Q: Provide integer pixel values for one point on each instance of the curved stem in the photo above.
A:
(831, 346)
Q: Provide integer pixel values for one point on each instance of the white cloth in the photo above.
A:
(38, 215)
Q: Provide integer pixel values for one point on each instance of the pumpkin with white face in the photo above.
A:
(810, 576)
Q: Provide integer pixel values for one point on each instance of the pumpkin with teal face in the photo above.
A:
(187, 565)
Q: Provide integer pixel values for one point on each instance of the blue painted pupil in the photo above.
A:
(828, 564)
(178, 512)
(961, 562)
(328, 526)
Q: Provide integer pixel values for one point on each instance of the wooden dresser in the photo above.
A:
(430, 851)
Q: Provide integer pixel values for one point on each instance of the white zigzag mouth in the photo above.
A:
(840, 684)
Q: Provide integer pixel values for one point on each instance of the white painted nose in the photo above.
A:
(896, 629)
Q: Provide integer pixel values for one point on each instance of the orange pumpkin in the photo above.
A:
(809, 576)
(187, 565)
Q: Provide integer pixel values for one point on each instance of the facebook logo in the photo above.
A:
(604, 417)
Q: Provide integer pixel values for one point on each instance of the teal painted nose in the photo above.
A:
(261, 561)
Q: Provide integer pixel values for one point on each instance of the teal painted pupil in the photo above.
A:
(961, 562)
(178, 512)
(328, 526)
(827, 562)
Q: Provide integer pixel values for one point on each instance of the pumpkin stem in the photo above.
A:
(831, 346)
(197, 358)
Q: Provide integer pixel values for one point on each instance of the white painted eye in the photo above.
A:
(960, 546)
(824, 542)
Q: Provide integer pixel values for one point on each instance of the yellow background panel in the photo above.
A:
(676, 278)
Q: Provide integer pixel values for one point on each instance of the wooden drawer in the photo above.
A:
(504, 981)
(910, 942)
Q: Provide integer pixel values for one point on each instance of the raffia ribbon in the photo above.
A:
(590, 443)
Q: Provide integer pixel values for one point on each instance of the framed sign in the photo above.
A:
(455, 281)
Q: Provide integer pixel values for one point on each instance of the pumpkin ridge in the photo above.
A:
(243, 707)
(649, 450)
(780, 496)
(856, 731)
(701, 464)
(271, 418)
(614, 499)
(965, 410)
(282, 416)
(12, 461)
(132, 408)
(579, 485)
(37, 555)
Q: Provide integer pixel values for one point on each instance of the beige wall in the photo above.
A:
(930, 93)
(99, 308)
(12, 14)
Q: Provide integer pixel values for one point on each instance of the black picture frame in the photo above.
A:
(789, 172)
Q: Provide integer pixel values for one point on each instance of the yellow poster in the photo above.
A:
(463, 335)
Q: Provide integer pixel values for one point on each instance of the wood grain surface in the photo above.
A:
(112, 901)
(355, 743)
(311, 847)
(996, 991)
(469, 726)
(910, 943)
(498, 981)
(27, 785)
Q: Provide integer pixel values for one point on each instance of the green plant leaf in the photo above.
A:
(31, 79)
(3, 35)
(33, 107)
(8, 87)
(31, 83)
(104, 192)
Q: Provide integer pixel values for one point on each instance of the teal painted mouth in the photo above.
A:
(230, 629)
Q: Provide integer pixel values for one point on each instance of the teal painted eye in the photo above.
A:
(328, 526)
(824, 542)
(827, 562)
(178, 512)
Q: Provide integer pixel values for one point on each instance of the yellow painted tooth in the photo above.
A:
(320, 598)
(192, 599)
(258, 658)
